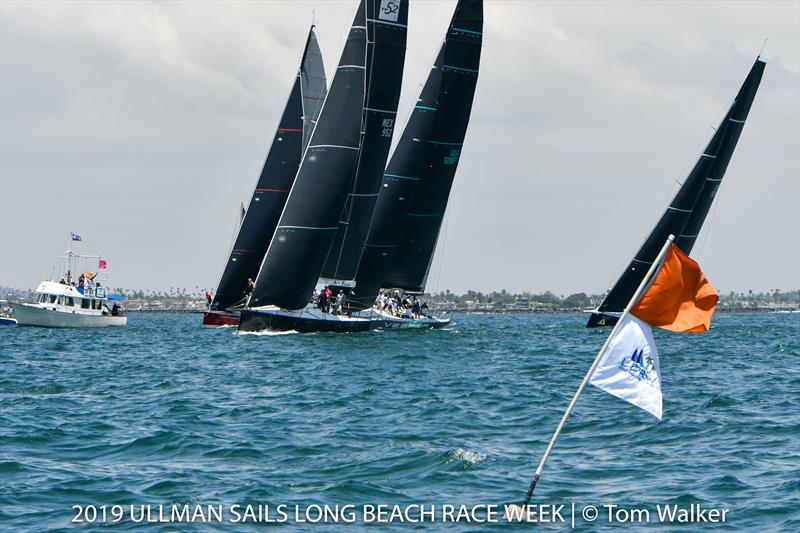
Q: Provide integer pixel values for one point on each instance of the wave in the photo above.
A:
(267, 333)
(467, 456)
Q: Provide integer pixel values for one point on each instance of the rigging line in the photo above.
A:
(693, 156)
(710, 222)
(442, 253)
(764, 45)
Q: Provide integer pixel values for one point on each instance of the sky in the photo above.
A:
(143, 125)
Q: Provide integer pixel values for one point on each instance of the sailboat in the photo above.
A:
(323, 232)
(686, 213)
(416, 185)
(272, 188)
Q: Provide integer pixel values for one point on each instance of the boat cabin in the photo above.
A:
(78, 300)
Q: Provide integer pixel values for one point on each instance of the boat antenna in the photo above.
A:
(314, 17)
(763, 45)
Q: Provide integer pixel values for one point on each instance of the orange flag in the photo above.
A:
(680, 297)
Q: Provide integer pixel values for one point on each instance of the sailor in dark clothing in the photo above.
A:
(250, 286)
(415, 307)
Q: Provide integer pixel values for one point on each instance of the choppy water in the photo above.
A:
(165, 412)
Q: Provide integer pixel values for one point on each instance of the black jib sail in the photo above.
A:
(386, 50)
(310, 217)
(416, 184)
(686, 213)
(261, 217)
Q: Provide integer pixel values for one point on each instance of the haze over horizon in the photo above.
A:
(142, 126)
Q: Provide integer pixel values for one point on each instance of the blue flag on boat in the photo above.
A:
(76, 237)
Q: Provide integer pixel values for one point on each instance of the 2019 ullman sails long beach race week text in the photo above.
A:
(369, 255)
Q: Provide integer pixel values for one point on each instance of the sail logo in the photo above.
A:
(452, 159)
(641, 366)
(389, 10)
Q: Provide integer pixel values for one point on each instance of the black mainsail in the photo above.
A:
(309, 221)
(416, 184)
(686, 213)
(386, 49)
(280, 167)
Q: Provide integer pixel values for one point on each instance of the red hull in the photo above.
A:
(220, 318)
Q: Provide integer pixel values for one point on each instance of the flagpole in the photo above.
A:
(636, 295)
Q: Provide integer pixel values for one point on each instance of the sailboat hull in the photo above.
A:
(220, 319)
(312, 320)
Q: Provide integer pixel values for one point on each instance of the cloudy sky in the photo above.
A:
(142, 125)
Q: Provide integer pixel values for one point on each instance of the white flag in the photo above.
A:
(629, 368)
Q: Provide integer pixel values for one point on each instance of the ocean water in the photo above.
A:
(165, 412)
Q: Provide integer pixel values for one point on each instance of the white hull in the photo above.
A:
(33, 315)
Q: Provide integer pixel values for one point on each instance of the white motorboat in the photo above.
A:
(67, 304)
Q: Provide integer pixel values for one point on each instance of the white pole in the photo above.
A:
(636, 295)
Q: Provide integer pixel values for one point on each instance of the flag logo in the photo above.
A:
(75, 237)
(641, 366)
(629, 367)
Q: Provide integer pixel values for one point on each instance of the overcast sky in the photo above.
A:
(141, 126)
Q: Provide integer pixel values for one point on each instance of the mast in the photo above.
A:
(272, 188)
(416, 184)
(687, 211)
(386, 49)
(309, 220)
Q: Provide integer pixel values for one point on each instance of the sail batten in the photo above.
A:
(259, 220)
(688, 210)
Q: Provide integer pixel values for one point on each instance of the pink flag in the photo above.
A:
(101, 264)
